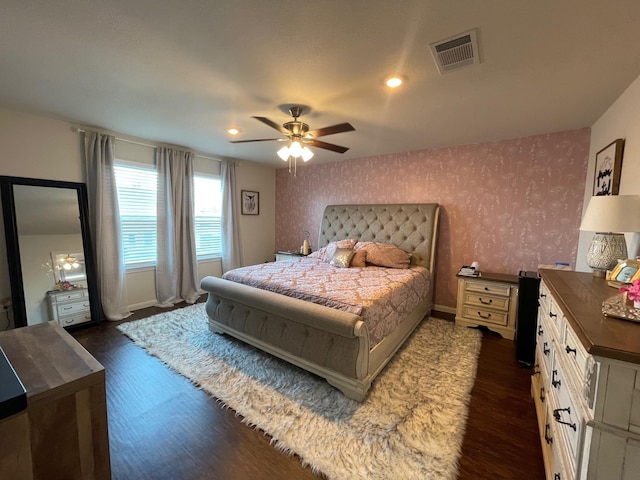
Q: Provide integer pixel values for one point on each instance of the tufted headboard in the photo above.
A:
(410, 226)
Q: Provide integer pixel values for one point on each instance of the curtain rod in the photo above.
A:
(136, 142)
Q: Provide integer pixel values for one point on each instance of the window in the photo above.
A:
(136, 185)
(207, 206)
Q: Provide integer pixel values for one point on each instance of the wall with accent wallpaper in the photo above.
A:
(510, 205)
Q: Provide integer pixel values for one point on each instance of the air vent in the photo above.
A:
(456, 52)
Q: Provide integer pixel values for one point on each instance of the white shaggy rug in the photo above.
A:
(410, 426)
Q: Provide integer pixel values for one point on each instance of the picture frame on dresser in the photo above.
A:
(624, 272)
(606, 179)
(250, 202)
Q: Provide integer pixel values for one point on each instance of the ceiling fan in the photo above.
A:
(299, 136)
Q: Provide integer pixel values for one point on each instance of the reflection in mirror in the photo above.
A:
(69, 269)
(47, 219)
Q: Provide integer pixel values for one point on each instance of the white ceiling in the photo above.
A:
(183, 72)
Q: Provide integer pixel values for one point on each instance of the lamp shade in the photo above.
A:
(612, 213)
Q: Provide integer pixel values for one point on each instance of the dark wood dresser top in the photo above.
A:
(580, 296)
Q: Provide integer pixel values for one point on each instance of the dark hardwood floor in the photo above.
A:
(163, 427)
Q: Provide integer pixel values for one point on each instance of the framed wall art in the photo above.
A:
(250, 202)
(608, 165)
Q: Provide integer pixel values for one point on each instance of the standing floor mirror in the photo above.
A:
(49, 259)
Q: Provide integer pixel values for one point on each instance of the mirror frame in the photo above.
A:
(13, 246)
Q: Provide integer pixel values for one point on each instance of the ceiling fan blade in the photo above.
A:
(341, 127)
(258, 140)
(273, 125)
(326, 146)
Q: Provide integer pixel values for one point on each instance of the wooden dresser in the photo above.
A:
(586, 385)
(63, 431)
(490, 300)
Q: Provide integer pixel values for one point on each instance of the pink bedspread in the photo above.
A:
(383, 297)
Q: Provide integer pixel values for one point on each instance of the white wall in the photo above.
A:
(621, 120)
(36, 146)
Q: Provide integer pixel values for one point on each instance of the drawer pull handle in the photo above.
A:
(485, 302)
(486, 289)
(557, 477)
(67, 308)
(540, 331)
(536, 370)
(545, 350)
(542, 397)
(486, 317)
(547, 438)
(554, 382)
(543, 295)
(552, 315)
(558, 416)
(571, 350)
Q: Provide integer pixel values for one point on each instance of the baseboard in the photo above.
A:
(138, 306)
(442, 308)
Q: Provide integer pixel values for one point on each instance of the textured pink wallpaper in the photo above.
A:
(510, 205)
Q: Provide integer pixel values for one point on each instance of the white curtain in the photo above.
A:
(104, 222)
(176, 268)
(231, 246)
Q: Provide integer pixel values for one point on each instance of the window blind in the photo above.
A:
(137, 192)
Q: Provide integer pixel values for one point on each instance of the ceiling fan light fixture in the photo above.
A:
(295, 150)
(283, 153)
(233, 131)
(307, 154)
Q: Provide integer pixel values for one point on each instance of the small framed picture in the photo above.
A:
(250, 202)
(608, 165)
(626, 271)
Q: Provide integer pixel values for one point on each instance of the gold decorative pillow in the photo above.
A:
(326, 253)
(342, 257)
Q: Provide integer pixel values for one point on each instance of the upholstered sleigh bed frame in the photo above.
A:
(328, 342)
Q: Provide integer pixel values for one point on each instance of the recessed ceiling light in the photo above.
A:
(233, 131)
(394, 81)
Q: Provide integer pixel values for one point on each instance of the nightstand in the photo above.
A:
(490, 300)
(284, 256)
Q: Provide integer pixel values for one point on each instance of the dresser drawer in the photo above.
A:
(576, 357)
(68, 296)
(555, 319)
(75, 319)
(485, 315)
(67, 309)
(544, 343)
(486, 300)
(566, 416)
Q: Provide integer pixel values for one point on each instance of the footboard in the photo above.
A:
(322, 340)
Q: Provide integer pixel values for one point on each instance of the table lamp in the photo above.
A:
(606, 215)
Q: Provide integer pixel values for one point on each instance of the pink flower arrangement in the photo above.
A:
(633, 291)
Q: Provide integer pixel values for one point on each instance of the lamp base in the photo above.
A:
(605, 250)
(599, 274)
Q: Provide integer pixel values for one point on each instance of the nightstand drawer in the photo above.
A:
(487, 301)
(489, 288)
(72, 308)
(485, 315)
(75, 319)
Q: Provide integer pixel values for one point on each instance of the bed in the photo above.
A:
(334, 343)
